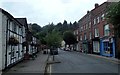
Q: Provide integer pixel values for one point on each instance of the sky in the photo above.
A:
(44, 12)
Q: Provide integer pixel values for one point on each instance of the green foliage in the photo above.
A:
(113, 17)
(69, 38)
(53, 39)
(35, 28)
(51, 34)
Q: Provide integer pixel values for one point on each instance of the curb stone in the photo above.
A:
(108, 58)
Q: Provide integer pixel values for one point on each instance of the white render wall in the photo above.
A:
(3, 24)
(0, 40)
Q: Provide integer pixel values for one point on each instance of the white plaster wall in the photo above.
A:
(4, 23)
(0, 40)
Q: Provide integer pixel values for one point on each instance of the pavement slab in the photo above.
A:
(31, 66)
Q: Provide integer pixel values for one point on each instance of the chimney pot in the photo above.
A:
(96, 5)
(88, 11)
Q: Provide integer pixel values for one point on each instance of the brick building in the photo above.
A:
(95, 34)
(76, 33)
(85, 33)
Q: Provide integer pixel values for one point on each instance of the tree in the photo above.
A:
(41, 36)
(113, 17)
(69, 38)
(35, 28)
(75, 25)
(53, 39)
(65, 26)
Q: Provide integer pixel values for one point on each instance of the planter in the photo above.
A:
(32, 44)
(24, 43)
(13, 41)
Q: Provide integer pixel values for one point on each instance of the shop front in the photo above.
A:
(96, 45)
(85, 46)
(108, 46)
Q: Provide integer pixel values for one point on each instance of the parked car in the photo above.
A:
(67, 49)
(54, 51)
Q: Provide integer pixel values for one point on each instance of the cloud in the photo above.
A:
(45, 11)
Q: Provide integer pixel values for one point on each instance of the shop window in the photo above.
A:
(96, 47)
(106, 47)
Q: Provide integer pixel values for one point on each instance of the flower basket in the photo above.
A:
(24, 43)
(35, 45)
(32, 44)
(13, 41)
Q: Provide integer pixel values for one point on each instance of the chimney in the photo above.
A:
(96, 5)
(88, 11)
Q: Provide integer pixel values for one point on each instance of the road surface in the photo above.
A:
(76, 62)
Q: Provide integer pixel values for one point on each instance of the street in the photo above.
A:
(76, 62)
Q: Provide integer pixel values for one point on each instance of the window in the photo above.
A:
(89, 24)
(74, 32)
(102, 17)
(8, 22)
(85, 36)
(14, 27)
(96, 32)
(106, 47)
(11, 25)
(86, 26)
(96, 47)
(81, 37)
(77, 38)
(81, 29)
(77, 32)
(106, 30)
(98, 19)
(90, 35)
(94, 21)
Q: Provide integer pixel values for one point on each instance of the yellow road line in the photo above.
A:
(50, 69)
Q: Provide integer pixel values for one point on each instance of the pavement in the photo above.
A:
(0, 72)
(30, 66)
(111, 59)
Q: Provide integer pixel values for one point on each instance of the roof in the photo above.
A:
(107, 3)
(6, 13)
(9, 15)
(23, 21)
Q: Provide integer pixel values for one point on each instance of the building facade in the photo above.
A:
(96, 35)
(76, 33)
(85, 33)
(17, 41)
(12, 35)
